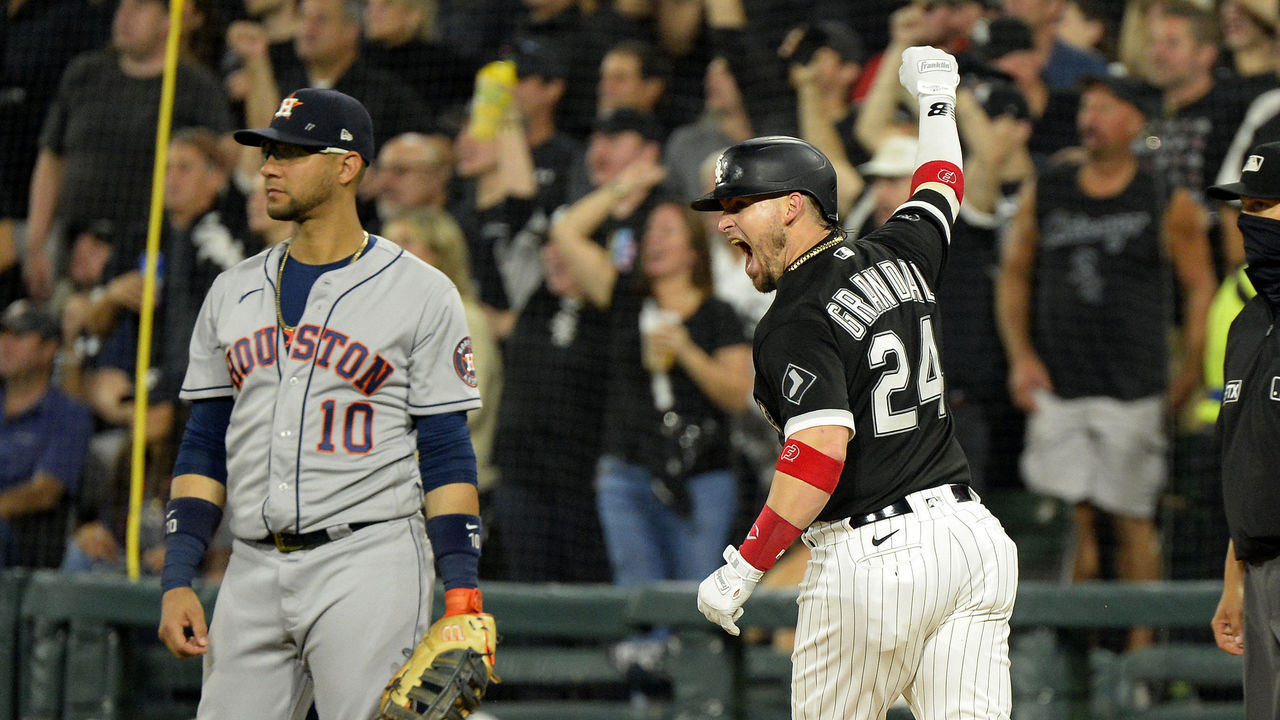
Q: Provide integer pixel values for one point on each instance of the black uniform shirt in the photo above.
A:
(1248, 427)
(851, 340)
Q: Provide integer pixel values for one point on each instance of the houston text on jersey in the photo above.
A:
(246, 354)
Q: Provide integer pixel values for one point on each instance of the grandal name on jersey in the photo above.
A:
(877, 290)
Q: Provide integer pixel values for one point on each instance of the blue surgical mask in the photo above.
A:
(1262, 253)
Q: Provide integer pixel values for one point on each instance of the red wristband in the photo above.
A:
(939, 171)
(463, 601)
(769, 536)
(810, 465)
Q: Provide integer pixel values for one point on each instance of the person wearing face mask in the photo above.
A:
(1247, 427)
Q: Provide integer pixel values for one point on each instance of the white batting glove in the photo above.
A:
(929, 72)
(721, 595)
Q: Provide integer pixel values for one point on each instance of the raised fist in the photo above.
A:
(928, 71)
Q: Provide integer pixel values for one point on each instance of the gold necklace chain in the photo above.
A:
(800, 260)
(288, 329)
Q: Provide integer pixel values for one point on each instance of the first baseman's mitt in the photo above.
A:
(448, 673)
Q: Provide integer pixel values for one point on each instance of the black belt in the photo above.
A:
(962, 493)
(288, 542)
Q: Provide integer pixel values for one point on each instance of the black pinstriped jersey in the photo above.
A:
(852, 339)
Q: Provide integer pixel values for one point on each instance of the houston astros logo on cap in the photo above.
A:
(287, 105)
(319, 120)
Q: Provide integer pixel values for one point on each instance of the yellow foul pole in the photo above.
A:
(145, 321)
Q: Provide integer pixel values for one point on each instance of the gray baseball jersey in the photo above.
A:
(321, 433)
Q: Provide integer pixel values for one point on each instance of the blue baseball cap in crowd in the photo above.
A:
(317, 119)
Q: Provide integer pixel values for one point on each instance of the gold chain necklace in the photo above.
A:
(800, 260)
(288, 329)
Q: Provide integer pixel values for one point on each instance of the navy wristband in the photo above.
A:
(189, 525)
(455, 539)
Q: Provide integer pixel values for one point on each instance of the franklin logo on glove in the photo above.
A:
(932, 65)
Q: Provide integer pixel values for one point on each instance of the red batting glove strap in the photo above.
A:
(810, 465)
(939, 171)
(770, 535)
(463, 601)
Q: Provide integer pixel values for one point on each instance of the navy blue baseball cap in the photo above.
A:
(1139, 93)
(1259, 178)
(538, 59)
(22, 317)
(317, 119)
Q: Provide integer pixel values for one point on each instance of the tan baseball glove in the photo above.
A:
(449, 671)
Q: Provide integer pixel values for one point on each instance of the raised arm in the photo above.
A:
(818, 129)
(571, 232)
(1187, 238)
(1027, 373)
(875, 118)
(931, 76)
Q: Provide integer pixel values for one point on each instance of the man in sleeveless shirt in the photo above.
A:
(1084, 304)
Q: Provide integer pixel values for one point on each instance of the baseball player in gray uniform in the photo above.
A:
(911, 581)
(318, 369)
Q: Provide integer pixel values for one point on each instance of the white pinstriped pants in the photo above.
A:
(924, 614)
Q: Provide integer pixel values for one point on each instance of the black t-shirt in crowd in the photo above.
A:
(1248, 426)
(553, 394)
(632, 422)
(851, 339)
(553, 164)
(1195, 138)
(1103, 288)
(102, 123)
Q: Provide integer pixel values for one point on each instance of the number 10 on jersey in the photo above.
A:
(357, 427)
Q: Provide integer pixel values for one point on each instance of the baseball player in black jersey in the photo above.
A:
(911, 581)
(1248, 424)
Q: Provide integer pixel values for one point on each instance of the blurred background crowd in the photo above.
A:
(542, 152)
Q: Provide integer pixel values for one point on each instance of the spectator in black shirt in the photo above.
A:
(542, 74)
(328, 50)
(1010, 49)
(400, 40)
(97, 143)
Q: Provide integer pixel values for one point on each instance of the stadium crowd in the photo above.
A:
(542, 153)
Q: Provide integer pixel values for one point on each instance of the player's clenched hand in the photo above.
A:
(721, 595)
(928, 71)
(180, 609)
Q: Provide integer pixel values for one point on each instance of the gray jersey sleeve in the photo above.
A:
(442, 375)
(207, 375)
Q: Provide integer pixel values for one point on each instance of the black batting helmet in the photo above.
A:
(771, 165)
